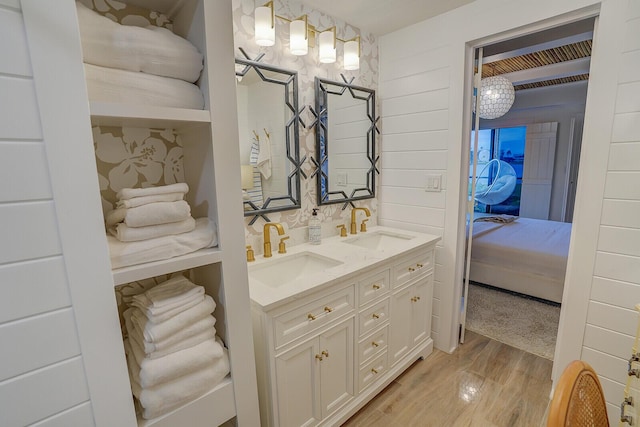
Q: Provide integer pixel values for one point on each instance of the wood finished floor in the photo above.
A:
(484, 383)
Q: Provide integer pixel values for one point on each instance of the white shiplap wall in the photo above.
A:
(611, 319)
(42, 377)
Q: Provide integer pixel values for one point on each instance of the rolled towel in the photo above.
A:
(164, 348)
(151, 49)
(163, 398)
(130, 193)
(156, 371)
(124, 233)
(155, 332)
(124, 254)
(145, 200)
(151, 214)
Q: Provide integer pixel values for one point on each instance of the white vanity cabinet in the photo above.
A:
(323, 352)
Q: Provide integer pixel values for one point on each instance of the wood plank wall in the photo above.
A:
(42, 377)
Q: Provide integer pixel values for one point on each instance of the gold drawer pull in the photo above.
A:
(376, 287)
(311, 316)
(319, 357)
(325, 353)
(412, 269)
(374, 371)
(328, 309)
(375, 344)
(375, 316)
(414, 299)
(419, 265)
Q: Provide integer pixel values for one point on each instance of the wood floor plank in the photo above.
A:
(483, 383)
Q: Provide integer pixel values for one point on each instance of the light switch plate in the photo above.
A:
(433, 183)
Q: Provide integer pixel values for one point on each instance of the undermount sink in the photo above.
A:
(379, 240)
(280, 272)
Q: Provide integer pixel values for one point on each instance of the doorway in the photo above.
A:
(549, 70)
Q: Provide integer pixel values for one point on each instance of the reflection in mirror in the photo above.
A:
(345, 142)
(267, 99)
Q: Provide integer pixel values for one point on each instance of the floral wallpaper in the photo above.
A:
(308, 67)
(128, 14)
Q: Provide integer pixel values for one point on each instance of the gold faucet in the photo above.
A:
(354, 229)
(267, 236)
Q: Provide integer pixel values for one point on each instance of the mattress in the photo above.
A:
(528, 245)
(130, 87)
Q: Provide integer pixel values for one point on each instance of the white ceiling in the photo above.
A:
(384, 16)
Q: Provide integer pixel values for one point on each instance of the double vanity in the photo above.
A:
(335, 323)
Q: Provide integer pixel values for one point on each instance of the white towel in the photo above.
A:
(152, 372)
(163, 398)
(170, 311)
(173, 291)
(131, 253)
(124, 233)
(264, 157)
(176, 342)
(144, 200)
(130, 193)
(154, 332)
(151, 214)
(151, 50)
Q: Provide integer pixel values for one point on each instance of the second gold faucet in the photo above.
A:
(354, 229)
(267, 236)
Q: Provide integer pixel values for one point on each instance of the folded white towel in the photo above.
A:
(264, 157)
(124, 233)
(168, 312)
(175, 343)
(130, 193)
(163, 398)
(151, 214)
(131, 87)
(172, 291)
(154, 332)
(151, 49)
(144, 200)
(152, 372)
(131, 253)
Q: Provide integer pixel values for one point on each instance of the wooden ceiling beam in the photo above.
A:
(550, 72)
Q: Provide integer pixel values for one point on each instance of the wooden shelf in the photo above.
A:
(211, 409)
(110, 114)
(165, 266)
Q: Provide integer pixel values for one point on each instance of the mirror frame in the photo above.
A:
(323, 88)
(289, 81)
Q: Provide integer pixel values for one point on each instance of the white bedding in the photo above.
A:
(130, 87)
(151, 50)
(529, 245)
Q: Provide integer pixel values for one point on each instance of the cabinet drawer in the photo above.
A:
(372, 345)
(372, 371)
(308, 317)
(373, 287)
(410, 268)
(373, 317)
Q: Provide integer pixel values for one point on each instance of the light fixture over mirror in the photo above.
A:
(302, 36)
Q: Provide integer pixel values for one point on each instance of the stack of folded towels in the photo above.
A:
(155, 223)
(172, 350)
(147, 213)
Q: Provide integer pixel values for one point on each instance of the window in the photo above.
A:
(506, 144)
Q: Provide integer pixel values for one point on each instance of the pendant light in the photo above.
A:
(496, 97)
(265, 29)
(327, 48)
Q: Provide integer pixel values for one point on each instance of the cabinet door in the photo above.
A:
(336, 367)
(298, 385)
(400, 338)
(421, 310)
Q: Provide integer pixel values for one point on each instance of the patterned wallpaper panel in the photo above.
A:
(127, 14)
(308, 67)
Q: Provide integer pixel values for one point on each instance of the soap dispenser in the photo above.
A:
(315, 229)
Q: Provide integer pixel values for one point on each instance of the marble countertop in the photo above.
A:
(355, 260)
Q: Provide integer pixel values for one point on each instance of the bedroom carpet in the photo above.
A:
(523, 323)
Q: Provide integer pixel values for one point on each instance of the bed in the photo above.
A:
(526, 255)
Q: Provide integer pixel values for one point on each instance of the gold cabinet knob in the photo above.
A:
(311, 316)
(318, 357)
(373, 371)
(413, 299)
(412, 269)
(325, 353)
(375, 316)
(328, 309)
(417, 298)
(376, 287)
(375, 344)
(419, 265)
